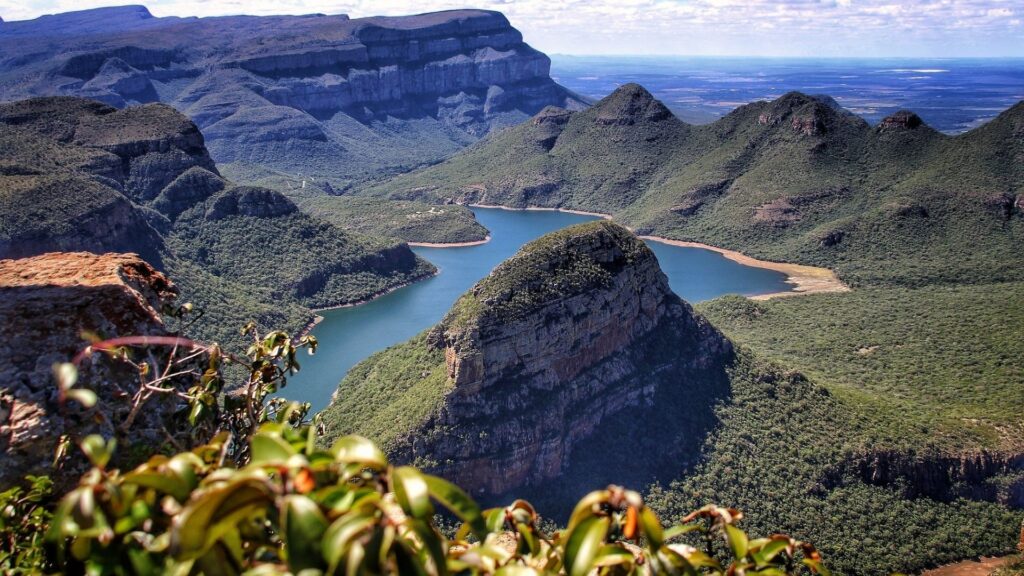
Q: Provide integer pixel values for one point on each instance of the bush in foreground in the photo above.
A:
(260, 496)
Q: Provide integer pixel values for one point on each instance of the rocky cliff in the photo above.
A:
(365, 93)
(981, 475)
(577, 337)
(46, 304)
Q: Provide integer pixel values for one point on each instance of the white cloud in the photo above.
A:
(764, 27)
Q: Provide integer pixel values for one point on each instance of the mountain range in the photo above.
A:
(309, 101)
(794, 179)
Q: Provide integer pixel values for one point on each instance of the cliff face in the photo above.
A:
(577, 337)
(985, 476)
(449, 77)
(48, 301)
(79, 175)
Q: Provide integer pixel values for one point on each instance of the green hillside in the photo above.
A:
(847, 418)
(79, 175)
(795, 179)
(856, 408)
(409, 221)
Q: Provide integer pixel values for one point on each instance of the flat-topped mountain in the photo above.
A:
(576, 338)
(78, 175)
(795, 179)
(295, 97)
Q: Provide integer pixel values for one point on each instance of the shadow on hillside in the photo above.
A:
(638, 446)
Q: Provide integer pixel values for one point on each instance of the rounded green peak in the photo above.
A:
(630, 104)
(556, 266)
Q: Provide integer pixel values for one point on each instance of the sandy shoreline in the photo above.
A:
(376, 295)
(806, 279)
(450, 244)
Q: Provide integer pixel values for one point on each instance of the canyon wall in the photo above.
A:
(391, 92)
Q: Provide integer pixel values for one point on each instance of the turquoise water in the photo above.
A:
(349, 335)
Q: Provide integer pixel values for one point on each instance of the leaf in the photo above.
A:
(454, 499)
(771, 549)
(585, 507)
(652, 527)
(432, 541)
(737, 541)
(358, 450)
(611, 555)
(216, 512)
(516, 571)
(339, 538)
(163, 483)
(303, 526)
(412, 492)
(679, 530)
(270, 449)
(66, 375)
(583, 543)
(87, 398)
(97, 450)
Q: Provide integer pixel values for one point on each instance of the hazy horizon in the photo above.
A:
(678, 28)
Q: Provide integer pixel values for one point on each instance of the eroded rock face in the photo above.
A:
(48, 301)
(901, 120)
(257, 82)
(556, 344)
(983, 475)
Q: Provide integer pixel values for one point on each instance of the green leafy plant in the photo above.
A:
(297, 508)
(24, 518)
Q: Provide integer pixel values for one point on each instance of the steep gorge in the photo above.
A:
(576, 338)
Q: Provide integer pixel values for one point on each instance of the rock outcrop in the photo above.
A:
(320, 80)
(984, 476)
(79, 172)
(47, 303)
(901, 120)
(575, 338)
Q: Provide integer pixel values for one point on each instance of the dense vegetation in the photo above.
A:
(409, 221)
(920, 359)
(79, 175)
(388, 394)
(778, 435)
(930, 366)
(556, 266)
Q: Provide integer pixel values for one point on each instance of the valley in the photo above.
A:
(790, 286)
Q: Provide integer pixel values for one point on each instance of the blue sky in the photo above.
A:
(913, 28)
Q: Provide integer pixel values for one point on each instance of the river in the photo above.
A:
(349, 335)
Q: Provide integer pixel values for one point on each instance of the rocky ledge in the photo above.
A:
(576, 337)
(49, 302)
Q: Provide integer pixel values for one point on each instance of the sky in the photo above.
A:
(807, 28)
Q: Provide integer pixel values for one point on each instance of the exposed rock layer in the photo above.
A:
(49, 302)
(255, 82)
(940, 476)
